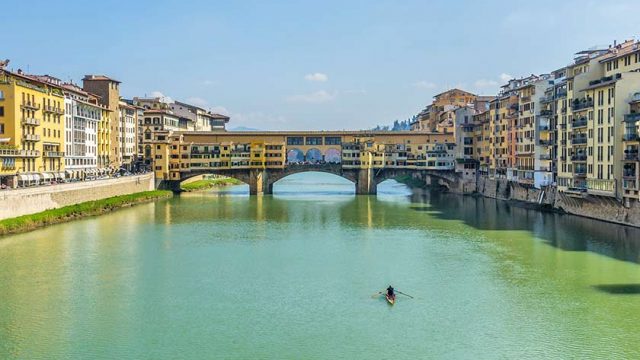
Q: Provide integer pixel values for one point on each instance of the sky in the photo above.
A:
(307, 65)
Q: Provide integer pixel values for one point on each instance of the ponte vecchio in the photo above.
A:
(260, 158)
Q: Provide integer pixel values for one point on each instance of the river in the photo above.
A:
(219, 274)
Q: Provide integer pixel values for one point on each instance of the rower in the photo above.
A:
(390, 291)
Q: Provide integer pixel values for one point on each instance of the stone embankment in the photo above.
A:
(17, 202)
(549, 198)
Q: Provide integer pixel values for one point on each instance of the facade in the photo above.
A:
(439, 115)
(127, 129)
(193, 118)
(83, 115)
(108, 92)
(31, 130)
(176, 154)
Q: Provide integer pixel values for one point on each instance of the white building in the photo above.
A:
(127, 134)
(82, 115)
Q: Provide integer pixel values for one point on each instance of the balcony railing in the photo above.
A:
(630, 137)
(525, 99)
(578, 171)
(633, 117)
(582, 105)
(579, 157)
(582, 122)
(629, 174)
(30, 105)
(546, 99)
(54, 154)
(544, 157)
(545, 142)
(579, 141)
(19, 153)
(30, 121)
(31, 137)
(52, 109)
(631, 157)
(561, 93)
(546, 112)
(543, 128)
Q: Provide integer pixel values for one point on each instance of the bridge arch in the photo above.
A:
(333, 156)
(314, 156)
(295, 156)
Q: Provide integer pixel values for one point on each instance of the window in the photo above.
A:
(332, 140)
(295, 140)
(1, 110)
(314, 140)
(1, 95)
(1, 128)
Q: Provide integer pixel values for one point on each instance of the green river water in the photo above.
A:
(221, 275)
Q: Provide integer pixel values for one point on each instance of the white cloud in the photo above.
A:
(197, 101)
(163, 97)
(319, 77)
(220, 110)
(317, 97)
(504, 78)
(424, 85)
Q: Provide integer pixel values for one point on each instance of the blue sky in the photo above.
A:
(307, 64)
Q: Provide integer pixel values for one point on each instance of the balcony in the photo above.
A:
(580, 171)
(580, 123)
(631, 118)
(31, 137)
(579, 141)
(631, 157)
(525, 99)
(54, 110)
(54, 154)
(546, 112)
(630, 137)
(19, 153)
(546, 99)
(544, 157)
(561, 93)
(579, 158)
(30, 121)
(545, 142)
(543, 128)
(630, 185)
(579, 105)
(30, 105)
(629, 174)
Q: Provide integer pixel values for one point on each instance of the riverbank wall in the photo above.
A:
(549, 198)
(18, 202)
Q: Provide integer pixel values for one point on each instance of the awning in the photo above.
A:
(24, 177)
(68, 172)
(46, 176)
(36, 177)
(60, 175)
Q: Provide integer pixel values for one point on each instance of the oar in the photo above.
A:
(400, 292)
(377, 294)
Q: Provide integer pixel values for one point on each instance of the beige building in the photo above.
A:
(108, 91)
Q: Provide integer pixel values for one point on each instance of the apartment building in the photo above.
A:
(108, 92)
(31, 129)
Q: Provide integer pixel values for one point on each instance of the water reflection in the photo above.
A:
(566, 232)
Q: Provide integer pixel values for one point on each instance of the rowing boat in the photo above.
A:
(390, 299)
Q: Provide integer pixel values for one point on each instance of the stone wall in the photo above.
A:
(599, 207)
(592, 206)
(32, 200)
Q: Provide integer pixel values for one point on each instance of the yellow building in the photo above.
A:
(104, 139)
(31, 130)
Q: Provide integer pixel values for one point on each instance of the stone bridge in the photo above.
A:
(366, 180)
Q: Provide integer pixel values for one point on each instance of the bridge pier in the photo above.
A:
(259, 182)
(366, 183)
